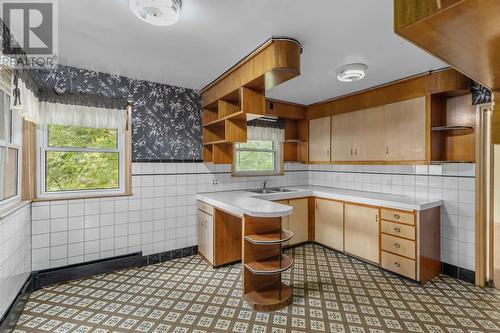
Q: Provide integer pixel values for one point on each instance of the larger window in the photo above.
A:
(256, 158)
(81, 161)
(10, 144)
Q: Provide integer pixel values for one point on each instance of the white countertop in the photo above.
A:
(241, 203)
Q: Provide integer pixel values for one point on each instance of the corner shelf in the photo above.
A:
(270, 238)
(270, 266)
(453, 123)
(452, 128)
(270, 298)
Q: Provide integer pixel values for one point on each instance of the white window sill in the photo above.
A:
(11, 208)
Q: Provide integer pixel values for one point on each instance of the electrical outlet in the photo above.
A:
(215, 181)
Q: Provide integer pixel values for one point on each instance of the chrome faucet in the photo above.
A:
(264, 184)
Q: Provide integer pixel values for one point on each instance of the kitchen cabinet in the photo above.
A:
(298, 221)
(329, 223)
(362, 232)
(319, 140)
(405, 130)
(394, 132)
(206, 231)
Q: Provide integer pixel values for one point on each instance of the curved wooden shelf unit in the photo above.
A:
(270, 266)
(270, 238)
(270, 298)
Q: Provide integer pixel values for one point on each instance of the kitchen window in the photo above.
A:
(10, 146)
(79, 161)
(257, 158)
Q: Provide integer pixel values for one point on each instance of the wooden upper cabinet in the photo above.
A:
(319, 140)
(371, 134)
(405, 130)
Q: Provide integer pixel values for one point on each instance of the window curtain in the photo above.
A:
(82, 116)
(266, 130)
(83, 110)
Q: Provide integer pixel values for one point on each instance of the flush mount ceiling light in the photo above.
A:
(157, 12)
(351, 72)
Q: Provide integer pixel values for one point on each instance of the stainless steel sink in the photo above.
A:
(272, 190)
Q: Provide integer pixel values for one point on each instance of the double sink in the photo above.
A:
(271, 190)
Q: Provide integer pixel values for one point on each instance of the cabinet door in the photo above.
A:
(370, 139)
(342, 138)
(298, 220)
(319, 140)
(284, 220)
(329, 223)
(362, 232)
(202, 239)
(209, 238)
(405, 130)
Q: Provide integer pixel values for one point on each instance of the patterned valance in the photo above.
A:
(264, 129)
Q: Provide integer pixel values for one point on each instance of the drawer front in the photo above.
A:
(398, 216)
(206, 208)
(398, 230)
(400, 265)
(399, 246)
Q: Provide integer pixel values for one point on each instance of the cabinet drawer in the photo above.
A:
(399, 246)
(398, 216)
(400, 265)
(399, 230)
(205, 208)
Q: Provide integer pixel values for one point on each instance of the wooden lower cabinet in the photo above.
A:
(362, 232)
(298, 221)
(206, 235)
(329, 223)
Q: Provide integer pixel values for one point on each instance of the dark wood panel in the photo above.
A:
(430, 243)
(227, 238)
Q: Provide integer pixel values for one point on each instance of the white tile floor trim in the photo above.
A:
(15, 255)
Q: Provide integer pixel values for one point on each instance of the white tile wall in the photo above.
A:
(160, 216)
(15, 255)
(453, 183)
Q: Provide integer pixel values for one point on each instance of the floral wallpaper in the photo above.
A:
(480, 94)
(166, 120)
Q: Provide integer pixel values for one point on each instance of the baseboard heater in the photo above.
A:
(73, 272)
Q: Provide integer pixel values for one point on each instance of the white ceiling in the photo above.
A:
(212, 35)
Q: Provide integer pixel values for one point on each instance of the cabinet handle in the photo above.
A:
(328, 152)
(397, 264)
(397, 216)
(351, 151)
(397, 245)
(387, 149)
(397, 229)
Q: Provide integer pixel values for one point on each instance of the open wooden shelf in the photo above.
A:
(270, 238)
(453, 123)
(270, 266)
(452, 128)
(270, 298)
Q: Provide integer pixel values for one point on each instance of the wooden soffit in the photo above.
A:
(463, 33)
(274, 62)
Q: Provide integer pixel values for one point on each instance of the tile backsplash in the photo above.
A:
(161, 215)
(452, 183)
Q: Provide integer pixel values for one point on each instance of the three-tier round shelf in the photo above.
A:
(264, 262)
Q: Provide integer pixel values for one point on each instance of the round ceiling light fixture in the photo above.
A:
(157, 12)
(352, 72)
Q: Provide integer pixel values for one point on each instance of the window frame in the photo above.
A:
(278, 160)
(43, 137)
(12, 129)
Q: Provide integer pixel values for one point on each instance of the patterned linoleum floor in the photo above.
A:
(333, 293)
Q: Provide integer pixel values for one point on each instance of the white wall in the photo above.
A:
(161, 215)
(15, 255)
(453, 183)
